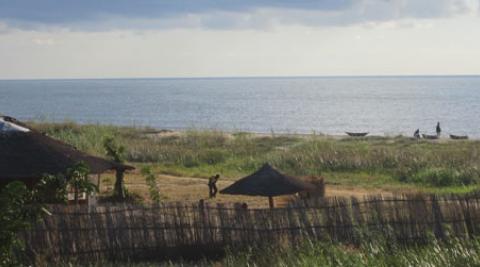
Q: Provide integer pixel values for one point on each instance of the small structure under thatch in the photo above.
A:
(26, 155)
(267, 182)
(318, 191)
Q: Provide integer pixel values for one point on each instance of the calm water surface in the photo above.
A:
(379, 105)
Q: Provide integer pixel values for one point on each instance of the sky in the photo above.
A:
(41, 39)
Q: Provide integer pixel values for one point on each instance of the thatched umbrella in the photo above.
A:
(26, 154)
(267, 182)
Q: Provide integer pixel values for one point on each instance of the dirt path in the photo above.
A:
(192, 189)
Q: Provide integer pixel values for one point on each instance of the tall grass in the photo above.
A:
(455, 253)
(450, 253)
(204, 152)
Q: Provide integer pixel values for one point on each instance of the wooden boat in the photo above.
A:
(458, 137)
(428, 136)
(356, 134)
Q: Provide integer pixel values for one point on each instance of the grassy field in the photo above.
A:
(375, 253)
(391, 163)
(455, 253)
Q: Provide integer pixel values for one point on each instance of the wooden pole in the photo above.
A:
(119, 187)
(270, 202)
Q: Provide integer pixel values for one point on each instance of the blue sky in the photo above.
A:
(164, 38)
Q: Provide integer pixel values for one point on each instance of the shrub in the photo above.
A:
(52, 189)
(212, 156)
(442, 177)
(13, 200)
(116, 152)
(151, 181)
(77, 177)
(18, 209)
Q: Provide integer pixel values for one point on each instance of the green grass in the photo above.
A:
(396, 162)
(455, 253)
(452, 253)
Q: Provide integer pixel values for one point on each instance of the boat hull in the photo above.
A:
(356, 134)
(427, 136)
(458, 137)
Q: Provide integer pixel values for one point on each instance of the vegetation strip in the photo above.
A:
(391, 162)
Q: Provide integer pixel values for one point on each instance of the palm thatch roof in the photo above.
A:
(267, 182)
(26, 153)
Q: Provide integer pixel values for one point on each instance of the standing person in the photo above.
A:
(439, 130)
(212, 185)
(416, 134)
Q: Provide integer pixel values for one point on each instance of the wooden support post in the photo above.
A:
(270, 202)
(119, 187)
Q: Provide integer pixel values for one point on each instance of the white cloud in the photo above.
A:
(44, 41)
(366, 38)
(4, 28)
(441, 46)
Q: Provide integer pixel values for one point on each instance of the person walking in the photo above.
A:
(212, 185)
(439, 130)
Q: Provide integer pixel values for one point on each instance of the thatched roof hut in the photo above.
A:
(267, 182)
(26, 154)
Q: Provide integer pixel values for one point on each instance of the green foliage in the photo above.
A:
(442, 177)
(17, 212)
(375, 253)
(88, 138)
(19, 206)
(77, 177)
(151, 181)
(455, 253)
(13, 218)
(51, 189)
(54, 188)
(114, 151)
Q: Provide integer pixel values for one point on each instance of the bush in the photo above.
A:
(17, 211)
(212, 156)
(151, 181)
(442, 177)
(52, 189)
(189, 160)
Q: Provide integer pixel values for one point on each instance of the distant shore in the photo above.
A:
(160, 131)
(167, 132)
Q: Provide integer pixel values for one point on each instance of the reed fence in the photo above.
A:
(180, 229)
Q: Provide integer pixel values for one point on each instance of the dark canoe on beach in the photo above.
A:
(356, 134)
(427, 136)
(458, 137)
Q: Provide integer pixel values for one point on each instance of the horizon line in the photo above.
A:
(246, 77)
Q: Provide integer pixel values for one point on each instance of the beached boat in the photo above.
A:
(428, 136)
(458, 137)
(356, 134)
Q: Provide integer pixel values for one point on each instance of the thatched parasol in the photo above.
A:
(267, 182)
(26, 154)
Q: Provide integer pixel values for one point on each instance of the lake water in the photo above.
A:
(379, 105)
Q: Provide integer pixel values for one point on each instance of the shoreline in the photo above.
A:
(165, 131)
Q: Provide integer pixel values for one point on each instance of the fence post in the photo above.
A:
(438, 230)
